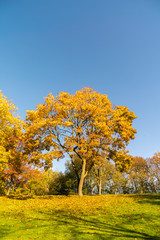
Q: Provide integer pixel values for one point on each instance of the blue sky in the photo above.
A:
(111, 46)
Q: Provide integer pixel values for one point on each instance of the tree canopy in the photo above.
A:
(85, 124)
(12, 164)
(10, 130)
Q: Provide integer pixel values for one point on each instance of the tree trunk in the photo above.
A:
(100, 187)
(8, 190)
(77, 187)
(100, 181)
(83, 175)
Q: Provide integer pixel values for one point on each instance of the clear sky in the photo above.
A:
(112, 46)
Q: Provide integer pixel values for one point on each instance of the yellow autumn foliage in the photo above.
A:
(10, 127)
(85, 124)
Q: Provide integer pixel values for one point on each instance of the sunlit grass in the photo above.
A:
(87, 217)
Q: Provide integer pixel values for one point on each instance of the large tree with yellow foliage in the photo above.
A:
(10, 127)
(12, 160)
(85, 124)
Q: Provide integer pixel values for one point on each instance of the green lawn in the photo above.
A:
(87, 217)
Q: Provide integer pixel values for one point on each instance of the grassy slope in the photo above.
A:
(87, 217)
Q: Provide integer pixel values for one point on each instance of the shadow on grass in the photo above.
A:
(146, 198)
(77, 226)
(93, 228)
(81, 226)
(20, 197)
(4, 231)
(25, 197)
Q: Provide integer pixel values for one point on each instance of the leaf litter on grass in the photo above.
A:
(73, 217)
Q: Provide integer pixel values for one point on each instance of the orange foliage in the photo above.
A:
(85, 124)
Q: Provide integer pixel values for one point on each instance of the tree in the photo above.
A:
(73, 172)
(111, 180)
(9, 129)
(139, 176)
(85, 124)
(155, 171)
(107, 178)
(156, 159)
(40, 182)
(11, 135)
(62, 184)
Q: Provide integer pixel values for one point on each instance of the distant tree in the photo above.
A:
(100, 174)
(48, 183)
(155, 171)
(85, 124)
(139, 176)
(62, 185)
(16, 177)
(109, 180)
(73, 171)
(37, 184)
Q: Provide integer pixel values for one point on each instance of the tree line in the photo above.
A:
(143, 177)
(87, 128)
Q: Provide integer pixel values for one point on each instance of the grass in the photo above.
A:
(88, 217)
